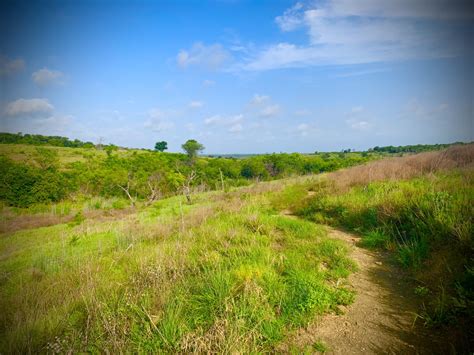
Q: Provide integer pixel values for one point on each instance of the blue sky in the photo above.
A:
(239, 76)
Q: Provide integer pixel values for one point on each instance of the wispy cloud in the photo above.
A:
(47, 76)
(270, 111)
(236, 128)
(263, 106)
(306, 129)
(224, 120)
(344, 32)
(208, 83)
(10, 66)
(359, 119)
(259, 99)
(361, 72)
(207, 56)
(29, 107)
(158, 120)
(196, 104)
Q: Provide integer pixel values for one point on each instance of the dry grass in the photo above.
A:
(407, 167)
(10, 223)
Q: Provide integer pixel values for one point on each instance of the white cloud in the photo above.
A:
(302, 127)
(224, 120)
(359, 118)
(291, 19)
(361, 72)
(10, 66)
(270, 111)
(367, 31)
(158, 120)
(428, 9)
(305, 129)
(29, 107)
(46, 76)
(360, 125)
(263, 106)
(196, 104)
(236, 128)
(259, 99)
(213, 120)
(210, 57)
(207, 83)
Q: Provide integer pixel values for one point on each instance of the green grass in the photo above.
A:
(226, 274)
(426, 222)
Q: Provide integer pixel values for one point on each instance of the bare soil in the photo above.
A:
(10, 223)
(382, 318)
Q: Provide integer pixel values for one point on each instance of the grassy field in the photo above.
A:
(232, 271)
(25, 152)
(420, 208)
(227, 273)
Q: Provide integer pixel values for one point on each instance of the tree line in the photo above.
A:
(147, 176)
(161, 146)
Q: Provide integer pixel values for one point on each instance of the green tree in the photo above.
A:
(109, 149)
(161, 146)
(192, 148)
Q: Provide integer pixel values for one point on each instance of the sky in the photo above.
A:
(240, 76)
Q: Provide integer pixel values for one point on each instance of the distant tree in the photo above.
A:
(109, 149)
(161, 146)
(192, 148)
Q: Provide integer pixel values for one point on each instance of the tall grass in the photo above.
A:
(226, 274)
(420, 208)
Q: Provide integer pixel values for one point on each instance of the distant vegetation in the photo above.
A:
(418, 148)
(37, 139)
(43, 175)
(58, 141)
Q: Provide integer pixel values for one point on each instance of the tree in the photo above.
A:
(161, 146)
(109, 149)
(192, 148)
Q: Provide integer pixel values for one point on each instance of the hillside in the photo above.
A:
(235, 270)
(43, 174)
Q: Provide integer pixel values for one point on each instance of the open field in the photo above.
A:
(170, 277)
(236, 271)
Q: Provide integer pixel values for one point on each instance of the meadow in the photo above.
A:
(232, 269)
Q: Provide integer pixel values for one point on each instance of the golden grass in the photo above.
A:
(406, 167)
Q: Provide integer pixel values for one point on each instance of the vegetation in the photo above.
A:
(170, 277)
(192, 148)
(106, 250)
(417, 148)
(418, 207)
(142, 176)
(37, 139)
(57, 141)
(161, 146)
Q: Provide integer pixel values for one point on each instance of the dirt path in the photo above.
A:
(380, 321)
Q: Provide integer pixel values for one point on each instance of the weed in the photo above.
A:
(320, 347)
(375, 239)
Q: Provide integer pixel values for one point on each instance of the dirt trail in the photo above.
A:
(380, 321)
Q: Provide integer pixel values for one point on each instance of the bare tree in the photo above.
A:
(126, 189)
(187, 185)
(153, 183)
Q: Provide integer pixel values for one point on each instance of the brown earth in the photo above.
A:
(10, 222)
(382, 318)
